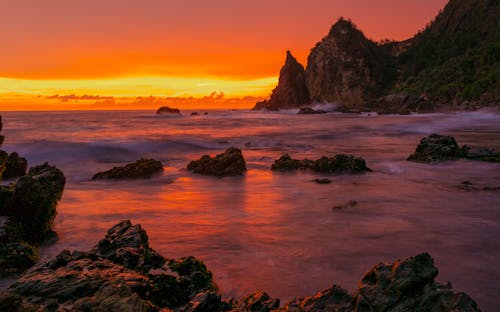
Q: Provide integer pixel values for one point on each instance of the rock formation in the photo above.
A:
(451, 64)
(15, 166)
(141, 169)
(229, 163)
(291, 91)
(123, 273)
(167, 110)
(435, 148)
(340, 163)
(310, 111)
(28, 207)
(347, 68)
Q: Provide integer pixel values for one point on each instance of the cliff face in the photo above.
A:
(454, 60)
(348, 68)
(291, 91)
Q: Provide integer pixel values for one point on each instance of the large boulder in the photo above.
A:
(229, 163)
(141, 169)
(165, 110)
(340, 163)
(310, 111)
(32, 200)
(291, 91)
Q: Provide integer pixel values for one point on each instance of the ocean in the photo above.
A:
(270, 230)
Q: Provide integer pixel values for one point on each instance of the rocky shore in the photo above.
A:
(123, 273)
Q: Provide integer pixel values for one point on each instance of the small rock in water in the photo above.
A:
(194, 114)
(141, 169)
(323, 181)
(229, 163)
(340, 163)
(351, 203)
(168, 110)
(310, 111)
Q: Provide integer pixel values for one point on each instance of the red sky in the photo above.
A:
(65, 46)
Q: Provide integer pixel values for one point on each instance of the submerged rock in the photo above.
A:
(310, 111)
(229, 163)
(100, 280)
(340, 163)
(168, 110)
(141, 169)
(435, 148)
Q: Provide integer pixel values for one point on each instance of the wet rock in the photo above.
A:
(481, 153)
(167, 110)
(32, 200)
(141, 169)
(258, 302)
(16, 255)
(349, 204)
(333, 299)
(229, 163)
(340, 163)
(323, 181)
(408, 285)
(15, 166)
(103, 280)
(291, 91)
(469, 186)
(435, 148)
(310, 111)
(195, 114)
(128, 245)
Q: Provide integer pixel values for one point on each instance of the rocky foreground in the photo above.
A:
(123, 273)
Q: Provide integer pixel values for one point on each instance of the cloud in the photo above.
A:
(65, 98)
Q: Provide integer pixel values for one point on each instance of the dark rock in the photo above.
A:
(141, 169)
(333, 299)
(258, 302)
(323, 181)
(481, 153)
(340, 163)
(15, 166)
(230, 163)
(209, 301)
(351, 203)
(435, 148)
(347, 68)
(168, 110)
(310, 111)
(32, 200)
(128, 245)
(291, 91)
(195, 114)
(260, 105)
(408, 285)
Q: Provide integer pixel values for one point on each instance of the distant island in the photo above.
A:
(452, 64)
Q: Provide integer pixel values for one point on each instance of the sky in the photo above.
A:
(173, 48)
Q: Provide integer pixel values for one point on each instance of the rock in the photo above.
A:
(168, 110)
(141, 169)
(435, 148)
(32, 200)
(260, 105)
(481, 153)
(230, 163)
(333, 299)
(340, 163)
(351, 203)
(408, 285)
(347, 68)
(15, 166)
(291, 91)
(3, 162)
(100, 280)
(323, 181)
(310, 111)
(258, 302)
(128, 245)
(195, 114)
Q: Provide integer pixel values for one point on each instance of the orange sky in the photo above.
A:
(174, 48)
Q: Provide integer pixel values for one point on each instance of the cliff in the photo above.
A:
(291, 90)
(452, 63)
